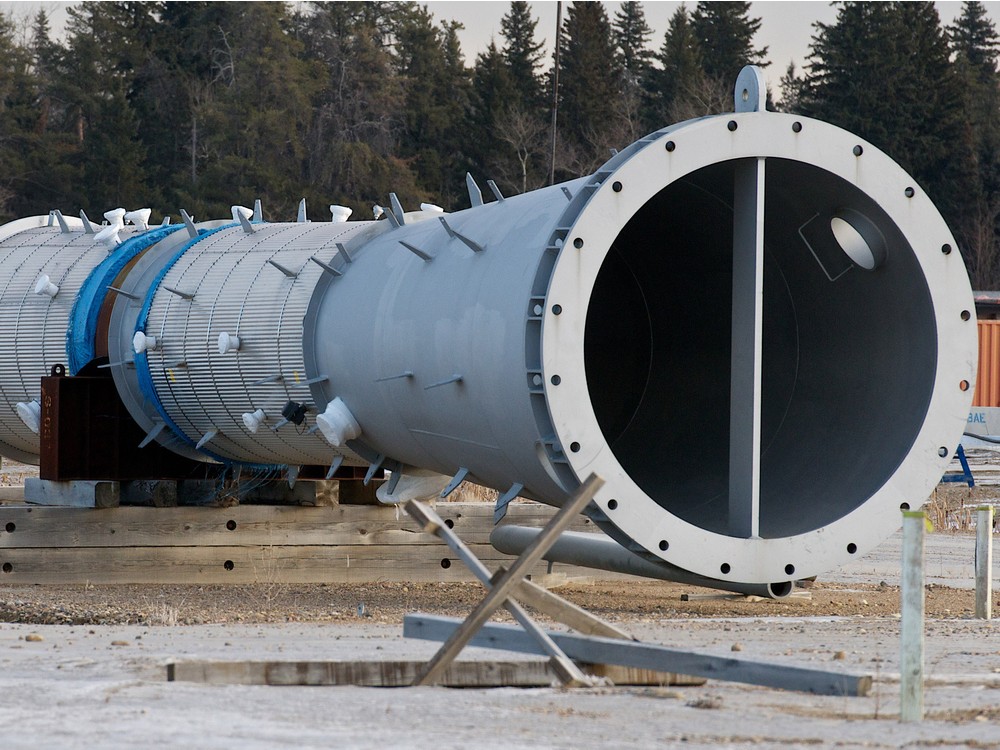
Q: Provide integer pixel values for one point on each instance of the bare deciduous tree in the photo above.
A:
(525, 132)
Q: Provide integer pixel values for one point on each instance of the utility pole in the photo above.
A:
(555, 96)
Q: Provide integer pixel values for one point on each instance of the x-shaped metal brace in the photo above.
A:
(508, 587)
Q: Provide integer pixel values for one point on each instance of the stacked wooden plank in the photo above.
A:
(249, 544)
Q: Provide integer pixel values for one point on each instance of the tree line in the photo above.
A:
(202, 105)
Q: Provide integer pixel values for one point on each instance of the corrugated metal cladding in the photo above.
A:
(236, 291)
(988, 379)
(33, 326)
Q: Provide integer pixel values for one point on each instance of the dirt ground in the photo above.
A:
(638, 601)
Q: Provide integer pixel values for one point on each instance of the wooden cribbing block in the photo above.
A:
(249, 544)
(475, 674)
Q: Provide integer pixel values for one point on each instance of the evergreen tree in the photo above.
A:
(588, 83)
(13, 82)
(249, 101)
(523, 55)
(791, 89)
(508, 139)
(436, 90)
(974, 43)
(681, 77)
(883, 71)
(37, 172)
(725, 33)
(493, 94)
(353, 135)
(106, 44)
(631, 34)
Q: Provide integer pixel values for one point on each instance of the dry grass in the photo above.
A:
(473, 493)
(952, 507)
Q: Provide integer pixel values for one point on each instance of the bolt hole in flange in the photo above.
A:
(229, 565)
(231, 525)
(789, 569)
(664, 545)
(445, 563)
(612, 504)
(10, 527)
(852, 548)
(449, 523)
(725, 568)
(8, 568)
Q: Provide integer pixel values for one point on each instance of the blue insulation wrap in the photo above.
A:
(142, 361)
(82, 330)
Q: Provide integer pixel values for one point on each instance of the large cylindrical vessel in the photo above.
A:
(755, 327)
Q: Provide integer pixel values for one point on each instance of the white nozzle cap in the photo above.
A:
(237, 210)
(337, 423)
(143, 343)
(228, 343)
(115, 215)
(45, 286)
(109, 235)
(30, 413)
(377, 211)
(431, 208)
(340, 213)
(139, 217)
(253, 419)
(419, 485)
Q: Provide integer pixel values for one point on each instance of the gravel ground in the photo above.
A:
(639, 601)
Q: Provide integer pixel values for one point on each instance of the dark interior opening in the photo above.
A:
(848, 364)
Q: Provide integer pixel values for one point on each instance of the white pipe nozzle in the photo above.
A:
(139, 217)
(247, 213)
(30, 413)
(228, 343)
(115, 215)
(337, 423)
(143, 343)
(340, 213)
(45, 286)
(253, 419)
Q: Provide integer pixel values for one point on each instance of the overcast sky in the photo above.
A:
(786, 27)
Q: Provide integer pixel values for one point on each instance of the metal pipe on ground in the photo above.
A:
(594, 551)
